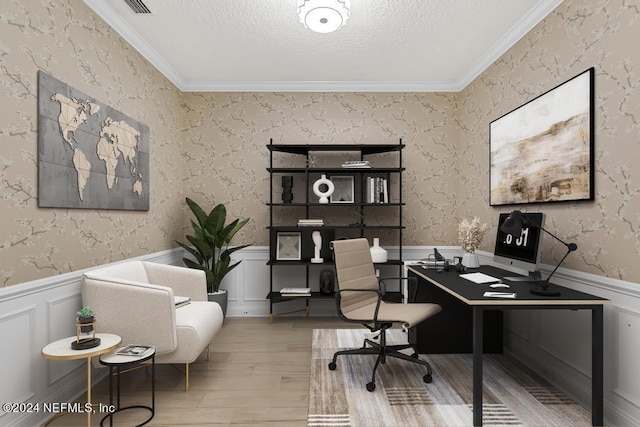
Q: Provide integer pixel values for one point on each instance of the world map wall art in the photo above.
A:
(89, 154)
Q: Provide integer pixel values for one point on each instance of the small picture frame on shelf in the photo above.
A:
(344, 189)
(288, 246)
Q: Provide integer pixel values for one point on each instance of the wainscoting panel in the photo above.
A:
(520, 324)
(17, 329)
(555, 344)
(62, 308)
(248, 283)
(626, 380)
(32, 315)
(562, 330)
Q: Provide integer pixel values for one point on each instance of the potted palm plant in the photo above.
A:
(209, 247)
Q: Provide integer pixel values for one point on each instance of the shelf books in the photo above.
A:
(134, 350)
(310, 222)
(377, 190)
(295, 292)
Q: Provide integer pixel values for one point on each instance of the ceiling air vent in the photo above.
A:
(137, 6)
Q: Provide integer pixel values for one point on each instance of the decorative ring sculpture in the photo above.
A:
(323, 195)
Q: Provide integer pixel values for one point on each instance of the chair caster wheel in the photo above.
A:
(332, 366)
(415, 355)
(371, 386)
(427, 378)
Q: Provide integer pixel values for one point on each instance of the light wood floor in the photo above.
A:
(258, 376)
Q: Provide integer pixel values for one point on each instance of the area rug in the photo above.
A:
(513, 394)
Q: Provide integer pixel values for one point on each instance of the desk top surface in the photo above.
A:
(472, 293)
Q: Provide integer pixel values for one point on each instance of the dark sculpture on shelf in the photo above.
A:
(327, 281)
(287, 185)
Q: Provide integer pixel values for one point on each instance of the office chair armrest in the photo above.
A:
(410, 279)
(383, 285)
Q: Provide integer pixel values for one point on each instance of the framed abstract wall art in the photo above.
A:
(343, 189)
(543, 150)
(288, 247)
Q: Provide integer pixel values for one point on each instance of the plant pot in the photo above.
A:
(221, 297)
(470, 260)
(89, 324)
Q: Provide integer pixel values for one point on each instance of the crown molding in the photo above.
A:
(517, 32)
(129, 34)
(318, 86)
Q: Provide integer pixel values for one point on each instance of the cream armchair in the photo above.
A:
(136, 300)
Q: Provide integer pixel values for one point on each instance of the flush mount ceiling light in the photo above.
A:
(323, 16)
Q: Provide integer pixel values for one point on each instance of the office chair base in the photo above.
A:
(383, 351)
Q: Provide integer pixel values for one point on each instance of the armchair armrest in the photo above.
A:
(138, 312)
(185, 282)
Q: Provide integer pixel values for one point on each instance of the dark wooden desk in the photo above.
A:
(471, 294)
(451, 331)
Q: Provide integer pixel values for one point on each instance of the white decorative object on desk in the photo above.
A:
(323, 195)
(470, 234)
(378, 254)
(317, 241)
(470, 260)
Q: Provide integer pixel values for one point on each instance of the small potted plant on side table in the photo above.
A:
(85, 333)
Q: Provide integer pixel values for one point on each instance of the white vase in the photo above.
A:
(470, 260)
(378, 254)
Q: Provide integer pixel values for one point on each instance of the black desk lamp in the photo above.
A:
(513, 225)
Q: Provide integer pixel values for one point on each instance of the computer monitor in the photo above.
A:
(521, 251)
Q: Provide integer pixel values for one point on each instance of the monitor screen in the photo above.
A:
(520, 251)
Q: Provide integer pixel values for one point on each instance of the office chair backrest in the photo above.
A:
(354, 270)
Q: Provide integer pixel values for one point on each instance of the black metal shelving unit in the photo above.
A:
(310, 204)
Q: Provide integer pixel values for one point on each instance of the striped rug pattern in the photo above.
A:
(513, 394)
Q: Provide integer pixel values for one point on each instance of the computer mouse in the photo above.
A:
(499, 285)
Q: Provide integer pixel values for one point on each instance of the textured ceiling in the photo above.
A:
(386, 45)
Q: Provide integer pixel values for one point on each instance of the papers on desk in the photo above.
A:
(511, 295)
(480, 278)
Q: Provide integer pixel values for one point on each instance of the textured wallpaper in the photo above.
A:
(226, 137)
(212, 146)
(578, 35)
(66, 40)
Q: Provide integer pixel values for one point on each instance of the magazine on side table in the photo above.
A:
(134, 350)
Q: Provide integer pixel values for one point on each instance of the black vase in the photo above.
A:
(287, 185)
(327, 281)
